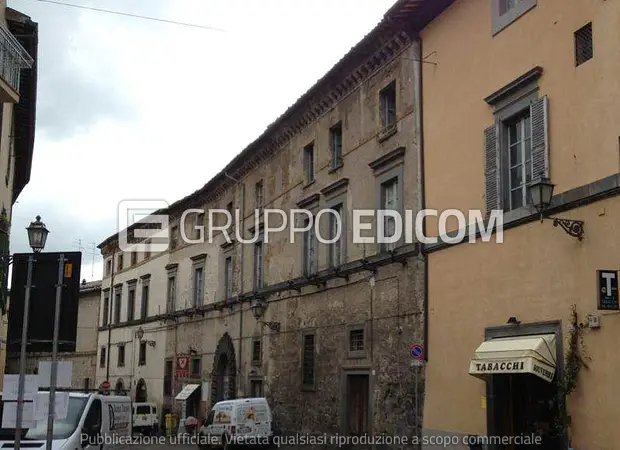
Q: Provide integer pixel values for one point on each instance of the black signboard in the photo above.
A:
(42, 302)
(608, 290)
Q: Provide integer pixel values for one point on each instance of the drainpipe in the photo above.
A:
(241, 257)
(110, 307)
(417, 75)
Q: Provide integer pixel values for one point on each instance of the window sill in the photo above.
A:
(357, 355)
(308, 389)
(308, 184)
(256, 363)
(386, 133)
(336, 168)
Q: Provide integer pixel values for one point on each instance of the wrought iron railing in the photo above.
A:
(13, 58)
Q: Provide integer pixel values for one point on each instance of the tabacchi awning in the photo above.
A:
(523, 354)
(186, 392)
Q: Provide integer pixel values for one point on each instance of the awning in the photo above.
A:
(186, 392)
(523, 354)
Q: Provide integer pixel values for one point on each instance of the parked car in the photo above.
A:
(145, 420)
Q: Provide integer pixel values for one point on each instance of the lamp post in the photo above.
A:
(37, 237)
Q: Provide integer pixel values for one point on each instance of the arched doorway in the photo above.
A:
(224, 375)
(141, 391)
(120, 387)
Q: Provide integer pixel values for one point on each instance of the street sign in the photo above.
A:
(416, 363)
(608, 290)
(416, 351)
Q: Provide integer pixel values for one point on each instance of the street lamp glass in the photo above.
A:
(257, 308)
(140, 334)
(37, 235)
(541, 192)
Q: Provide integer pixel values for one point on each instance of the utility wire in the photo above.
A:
(90, 8)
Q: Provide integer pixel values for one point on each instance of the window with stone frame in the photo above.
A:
(308, 378)
(310, 248)
(195, 367)
(121, 355)
(505, 12)
(171, 291)
(119, 263)
(142, 354)
(168, 378)
(259, 195)
(516, 145)
(131, 301)
(356, 341)
(134, 258)
(335, 137)
(102, 357)
(258, 265)
(309, 163)
(257, 352)
(336, 230)
(118, 300)
(105, 318)
(144, 300)
(387, 103)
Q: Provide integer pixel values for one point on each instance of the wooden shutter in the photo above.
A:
(540, 138)
(492, 169)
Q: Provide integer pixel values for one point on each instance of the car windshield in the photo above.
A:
(143, 410)
(63, 428)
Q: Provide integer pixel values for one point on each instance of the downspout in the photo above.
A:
(110, 307)
(241, 257)
(419, 118)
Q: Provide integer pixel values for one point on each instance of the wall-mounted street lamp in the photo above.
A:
(541, 193)
(140, 336)
(258, 306)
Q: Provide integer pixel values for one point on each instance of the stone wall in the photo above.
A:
(84, 366)
(389, 305)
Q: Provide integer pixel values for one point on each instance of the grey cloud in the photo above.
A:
(67, 101)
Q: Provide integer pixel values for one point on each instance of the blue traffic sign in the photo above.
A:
(416, 351)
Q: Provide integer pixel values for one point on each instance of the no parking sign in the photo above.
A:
(416, 351)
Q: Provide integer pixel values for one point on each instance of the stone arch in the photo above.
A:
(224, 373)
(141, 394)
(120, 387)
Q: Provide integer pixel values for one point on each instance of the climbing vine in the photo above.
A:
(576, 354)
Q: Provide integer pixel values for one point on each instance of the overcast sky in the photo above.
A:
(138, 109)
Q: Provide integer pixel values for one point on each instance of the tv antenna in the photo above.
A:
(93, 253)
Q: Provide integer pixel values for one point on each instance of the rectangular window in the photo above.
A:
(106, 308)
(310, 249)
(131, 303)
(168, 378)
(256, 352)
(520, 160)
(195, 367)
(336, 229)
(198, 286)
(309, 163)
(108, 268)
(336, 145)
(308, 369)
(258, 265)
(119, 264)
(147, 251)
(102, 357)
(387, 101)
(145, 301)
(174, 237)
(134, 258)
(228, 277)
(505, 12)
(356, 340)
(390, 202)
(230, 209)
(117, 306)
(121, 355)
(172, 293)
(259, 195)
(256, 387)
(142, 354)
(584, 50)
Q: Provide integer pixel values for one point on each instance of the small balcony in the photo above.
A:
(13, 58)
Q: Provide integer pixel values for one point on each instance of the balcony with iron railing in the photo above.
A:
(13, 58)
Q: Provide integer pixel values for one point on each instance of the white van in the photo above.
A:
(238, 422)
(145, 418)
(94, 422)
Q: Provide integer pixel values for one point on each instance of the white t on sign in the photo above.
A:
(63, 378)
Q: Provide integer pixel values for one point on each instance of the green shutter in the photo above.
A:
(540, 138)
